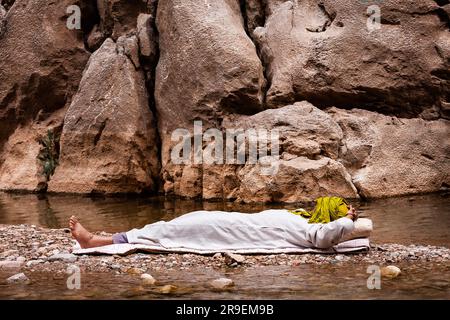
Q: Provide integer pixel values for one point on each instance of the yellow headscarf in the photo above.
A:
(327, 209)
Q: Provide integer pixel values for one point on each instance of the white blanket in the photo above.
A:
(270, 231)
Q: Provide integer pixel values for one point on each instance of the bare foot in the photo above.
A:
(80, 234)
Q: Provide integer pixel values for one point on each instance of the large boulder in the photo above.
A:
(389, 156)
(306, 166)
(208, 64)
(302, 167)
(323, 52)
(108, 139)
(208, 67)
(304, 130)
(297, 179)
(41, 62)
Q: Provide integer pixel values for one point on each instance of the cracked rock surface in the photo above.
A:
(108, 133)
(360, 112)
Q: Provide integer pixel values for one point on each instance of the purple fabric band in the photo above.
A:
(120, 238)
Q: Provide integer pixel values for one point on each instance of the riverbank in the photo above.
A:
(28, 248)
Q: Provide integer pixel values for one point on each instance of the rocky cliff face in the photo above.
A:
(356, 111)
(322, 51)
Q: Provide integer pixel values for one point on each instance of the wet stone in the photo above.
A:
(65, 257)
(233, 259)
(9, 253)
(10, 264)
(390, 272)
(222, 283)
(135, 271)
(167, 289)
(31, 263)
(18, 278)
(147, 279)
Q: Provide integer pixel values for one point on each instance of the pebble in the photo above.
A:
(135, 271)
(66, 257)
(9, 264)
(9, 252)
(21, 259)
(390, 272)
(52, 247)
(231, 258)
(31, 263)
(41, 250)
(53, 252)
(18, 278)
(107, 259)
(147, 279)
(296, 263)
(222, 283)
(167, 289)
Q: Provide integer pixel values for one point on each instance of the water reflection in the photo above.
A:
(344, 281)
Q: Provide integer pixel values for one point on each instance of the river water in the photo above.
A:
(420, 220)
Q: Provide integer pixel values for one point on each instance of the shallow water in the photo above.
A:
(422, 220)
(343, 281)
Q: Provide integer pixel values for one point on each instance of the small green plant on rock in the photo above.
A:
(49, 153)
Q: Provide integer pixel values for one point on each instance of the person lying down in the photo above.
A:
(331, 222)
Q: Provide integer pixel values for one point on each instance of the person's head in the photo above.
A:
(329, 209)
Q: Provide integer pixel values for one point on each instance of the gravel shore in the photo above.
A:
(28, 248)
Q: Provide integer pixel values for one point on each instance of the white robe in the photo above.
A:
(214, 231)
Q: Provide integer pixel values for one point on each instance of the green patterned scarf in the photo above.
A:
(327, 209)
